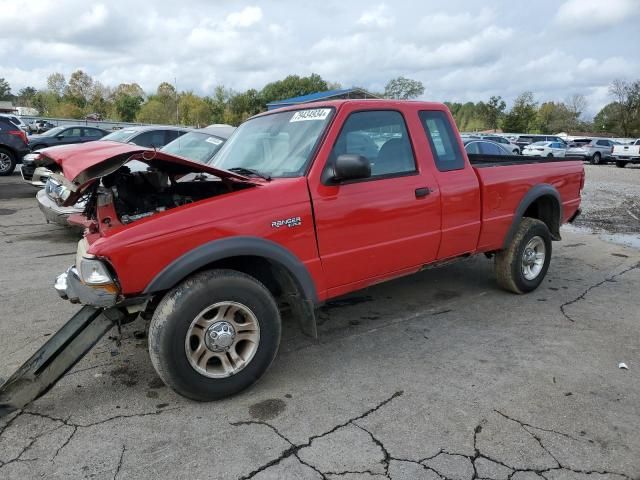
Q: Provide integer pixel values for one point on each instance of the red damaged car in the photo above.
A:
(302, 205)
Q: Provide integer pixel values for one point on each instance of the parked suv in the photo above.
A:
(594, 150)
(17, 121)
(13, 146)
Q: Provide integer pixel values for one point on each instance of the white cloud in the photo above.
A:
(379, 17)
(459, 50)
(245, 17)
(594, 15)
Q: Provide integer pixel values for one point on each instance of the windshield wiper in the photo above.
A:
(250, 171)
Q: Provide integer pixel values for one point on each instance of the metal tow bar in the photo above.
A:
(56, 357)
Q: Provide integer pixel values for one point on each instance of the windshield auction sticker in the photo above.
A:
(315, 114)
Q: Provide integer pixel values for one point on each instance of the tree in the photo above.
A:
(26, 95)
(627, 100)
(127, 106)
(402, 88)
(492, 111)
(292, 86)
(522, 116)
(56, 83)
(608, 119)
(80, 88)
(153, 111)
(5, 89)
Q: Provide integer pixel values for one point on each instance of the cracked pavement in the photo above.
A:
(436, 376)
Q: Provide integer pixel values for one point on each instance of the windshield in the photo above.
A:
(196, 146)
(119, 135)
(277, 145)
(53, 132)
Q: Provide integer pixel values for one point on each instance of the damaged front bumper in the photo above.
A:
(70, 287)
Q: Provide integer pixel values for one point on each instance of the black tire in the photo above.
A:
(516, 152)
(509, 262)
(550, 155)
(7, 162)
(596, 159)
(180, 306)
(621, 163)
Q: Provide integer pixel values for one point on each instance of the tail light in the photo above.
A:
(19, 133)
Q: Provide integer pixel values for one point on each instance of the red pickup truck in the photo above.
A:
(301, 205)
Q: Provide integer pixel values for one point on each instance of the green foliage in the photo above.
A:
(626, 110)
(402, 88)
(522, 116)
(5, 89)
(292, 86)
(492, 111)
(127, 106)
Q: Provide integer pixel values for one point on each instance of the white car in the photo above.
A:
(545, 149)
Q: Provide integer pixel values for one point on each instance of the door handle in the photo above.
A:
(422, 192)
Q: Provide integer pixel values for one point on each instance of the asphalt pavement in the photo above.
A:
(438, 375)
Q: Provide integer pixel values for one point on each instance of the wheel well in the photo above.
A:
(279, 281)
(547, 209)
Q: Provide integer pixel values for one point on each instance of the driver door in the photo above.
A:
(382, 226)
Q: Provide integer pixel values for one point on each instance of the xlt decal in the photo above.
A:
(289, 222)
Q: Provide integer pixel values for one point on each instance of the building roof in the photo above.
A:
(328, 95)
(7, 107)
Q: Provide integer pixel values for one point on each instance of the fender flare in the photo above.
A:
(540, 190)
(215, 250)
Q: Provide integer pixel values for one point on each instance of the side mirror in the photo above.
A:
(351, 167)
(60, 137)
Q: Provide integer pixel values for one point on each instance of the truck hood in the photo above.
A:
(83, 164)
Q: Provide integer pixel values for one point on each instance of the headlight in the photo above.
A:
(94, 272)
(55, 190)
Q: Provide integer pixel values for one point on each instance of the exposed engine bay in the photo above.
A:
(139, 194)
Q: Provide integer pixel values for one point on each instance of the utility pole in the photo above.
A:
(175, 85)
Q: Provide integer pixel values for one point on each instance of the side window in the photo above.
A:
(151, 139)
(603, 143)
(443, 141)
(71, 132)
(92, 132)
(381, 137)
(489, 149)
(472, 148)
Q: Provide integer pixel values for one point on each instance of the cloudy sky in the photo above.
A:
(460, 49)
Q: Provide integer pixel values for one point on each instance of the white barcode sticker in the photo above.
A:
(315, 114)
(214, 140)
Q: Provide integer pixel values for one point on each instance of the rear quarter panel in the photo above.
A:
(504, 187)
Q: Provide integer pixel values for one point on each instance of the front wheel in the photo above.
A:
(522, 266)
(621, 163)
(214, 335)
(7, 162)
(550, 155)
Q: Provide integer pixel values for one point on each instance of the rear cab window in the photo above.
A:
(442, 139)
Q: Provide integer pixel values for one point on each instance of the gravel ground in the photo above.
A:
(440, 375)
(611, 200)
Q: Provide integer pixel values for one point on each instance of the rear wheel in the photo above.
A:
(550, 155)
(596, 159)
(522, 266)
(214, 335)
(621, 163)
(7, 162)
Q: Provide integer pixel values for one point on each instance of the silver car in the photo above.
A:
(198, 145)
(594, 150)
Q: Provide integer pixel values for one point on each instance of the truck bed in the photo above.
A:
(484, 161)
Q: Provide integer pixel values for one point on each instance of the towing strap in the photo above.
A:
(56, 357)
